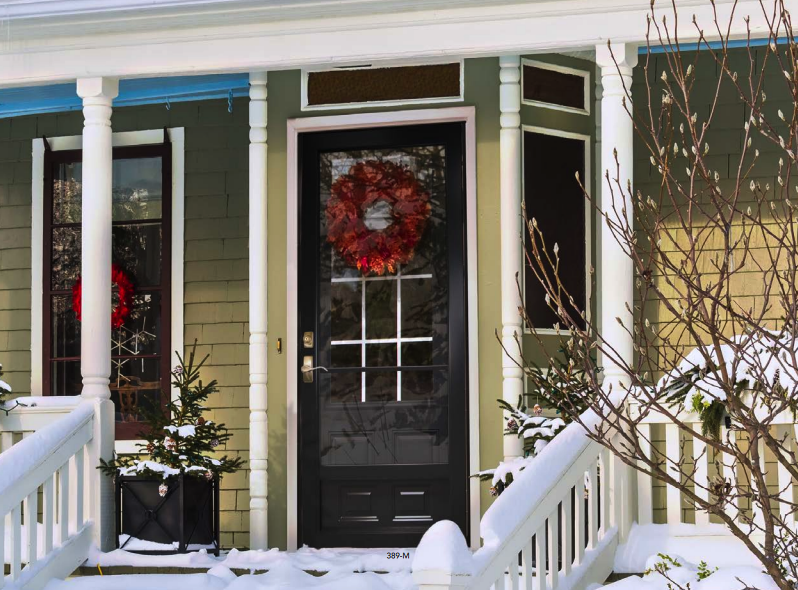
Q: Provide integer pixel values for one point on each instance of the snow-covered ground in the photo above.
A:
(725, 578)
(284, 575)
(317, 560)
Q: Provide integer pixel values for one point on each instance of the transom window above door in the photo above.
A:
(141, 257)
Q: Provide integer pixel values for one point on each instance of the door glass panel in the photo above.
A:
(384, 333)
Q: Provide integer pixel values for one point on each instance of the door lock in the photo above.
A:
(307, 339)
(308, 369)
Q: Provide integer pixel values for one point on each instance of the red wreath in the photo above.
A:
(353, 194)
(125, 289)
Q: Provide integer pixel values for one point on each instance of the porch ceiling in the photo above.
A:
(49, 41)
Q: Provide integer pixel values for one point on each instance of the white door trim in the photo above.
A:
(359, 121)
(120, 139)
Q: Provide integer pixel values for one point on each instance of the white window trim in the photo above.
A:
(563, 70)
(75, 142)
(382, 103)
(588, 175)
(465, 115)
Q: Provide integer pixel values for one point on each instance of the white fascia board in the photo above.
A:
(142, 47)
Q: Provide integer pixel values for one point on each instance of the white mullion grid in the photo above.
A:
(378, 278)
(363, 336)
(399, 332)
(382, 340)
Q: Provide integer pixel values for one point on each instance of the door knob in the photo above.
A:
(308, 369)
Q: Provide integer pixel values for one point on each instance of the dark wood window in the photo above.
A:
(553, 87)
(141, 347)
(405, 83)
(554, 198)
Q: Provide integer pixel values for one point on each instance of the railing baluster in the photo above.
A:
(567, 537)
(48, 516)
(732, 508)
(513, 569)
(673, 454)
(540, 558)
(32, 525)
(756, 507)
(592, 506)
(7, 441)
(63, 502)
(784, 432)
(579, 522)
(645, 508)
(16, 542)
(79, 477)
(604, 487)
(526, 563)
(554, 553)
(701, 460)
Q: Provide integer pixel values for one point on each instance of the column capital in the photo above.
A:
(98, 88)
(258, 111)
(613, 56)
(510, 91)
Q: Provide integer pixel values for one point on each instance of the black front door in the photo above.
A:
(382, 299)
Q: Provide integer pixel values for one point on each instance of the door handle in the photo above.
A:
(308, 369)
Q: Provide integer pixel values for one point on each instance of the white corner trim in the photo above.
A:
(588, 216)
(36, 266)
(121, 139)
(466, 115)
(562, 70)
(383, 103)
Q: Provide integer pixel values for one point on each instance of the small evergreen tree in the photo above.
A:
(180, 440)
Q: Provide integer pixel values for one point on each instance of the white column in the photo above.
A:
(617, 135)
(511, 234)
(258, 421)
(95, 341)
(97, 95)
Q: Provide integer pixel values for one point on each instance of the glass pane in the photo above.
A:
(137, 189)
(137, 250)
(141, 332)
(65, 328)
(383, 416)
(347, 355)
(135, 386)
(345, 310)
(381, 309)
(65, 378)
(67, 192)
(65, 262)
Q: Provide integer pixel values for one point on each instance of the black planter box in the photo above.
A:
(188, 515)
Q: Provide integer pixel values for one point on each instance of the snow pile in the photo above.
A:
(727, 578)
(763, 357)
(306, 558)
(713, 543)
(443, 547)
(220, 577)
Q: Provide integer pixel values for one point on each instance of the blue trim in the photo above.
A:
(59, 98)
(731, 44)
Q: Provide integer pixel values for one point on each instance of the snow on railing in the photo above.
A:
(555, 528)
(52, 463)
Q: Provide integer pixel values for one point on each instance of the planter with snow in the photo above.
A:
(176, 515)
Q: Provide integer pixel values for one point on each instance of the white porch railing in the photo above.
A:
(49, 489)
(555, 528)
(695, 452)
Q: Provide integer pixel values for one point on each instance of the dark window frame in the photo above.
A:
(124, 430)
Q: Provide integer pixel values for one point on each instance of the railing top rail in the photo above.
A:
(29, 463)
